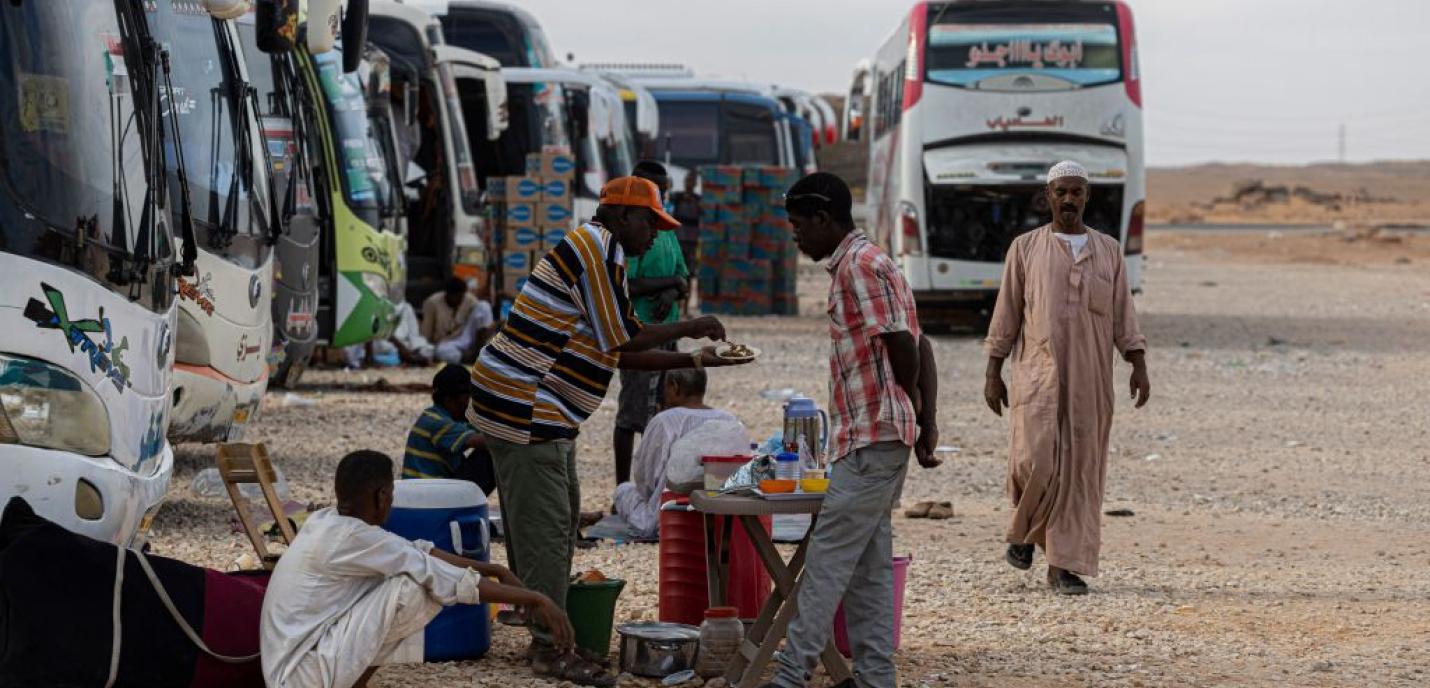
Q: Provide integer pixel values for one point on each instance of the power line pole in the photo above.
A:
(1343, 143)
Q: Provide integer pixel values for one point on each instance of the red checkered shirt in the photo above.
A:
(868, 297)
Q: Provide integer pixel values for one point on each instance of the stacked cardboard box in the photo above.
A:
(748, 260)
(532, 213)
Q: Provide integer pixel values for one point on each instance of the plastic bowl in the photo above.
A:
(814, 484)
(776, 486)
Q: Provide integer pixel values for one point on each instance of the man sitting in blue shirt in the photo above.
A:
(441, 443)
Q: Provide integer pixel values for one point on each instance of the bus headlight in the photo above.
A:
(47, 406)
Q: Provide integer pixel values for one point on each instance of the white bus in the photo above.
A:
(966, 106)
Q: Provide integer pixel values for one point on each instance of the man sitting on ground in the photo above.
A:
(441, 444)
(348, 596)
(683, 397)
(455, 321)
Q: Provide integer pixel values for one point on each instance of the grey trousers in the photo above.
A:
(851, 553)
(540, 510)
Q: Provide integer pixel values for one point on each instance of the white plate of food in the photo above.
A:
(736, 352)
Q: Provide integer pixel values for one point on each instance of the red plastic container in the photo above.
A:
(684, 593)
(901, 577)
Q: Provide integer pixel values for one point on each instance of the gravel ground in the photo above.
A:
(1278, 480)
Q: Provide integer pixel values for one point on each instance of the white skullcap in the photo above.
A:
(1066, 168)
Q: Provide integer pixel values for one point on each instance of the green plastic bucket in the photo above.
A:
(592, 608)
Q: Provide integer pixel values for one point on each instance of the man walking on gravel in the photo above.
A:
(1063, 306)
(547, 371)
(883, 393)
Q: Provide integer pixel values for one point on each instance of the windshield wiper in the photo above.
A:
(190, 255)
(245, 103)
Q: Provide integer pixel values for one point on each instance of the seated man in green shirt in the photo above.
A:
(658, 283)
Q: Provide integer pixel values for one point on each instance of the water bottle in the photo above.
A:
(787, 466)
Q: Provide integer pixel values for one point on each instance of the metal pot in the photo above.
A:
(657, 649)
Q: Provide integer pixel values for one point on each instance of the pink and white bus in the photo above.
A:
(964, 108)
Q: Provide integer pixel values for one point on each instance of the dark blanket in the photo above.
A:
(56, 609)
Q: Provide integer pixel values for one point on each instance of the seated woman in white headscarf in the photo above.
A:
(683, 398)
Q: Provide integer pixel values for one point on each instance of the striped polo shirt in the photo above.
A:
(436, 445)
(547, 370)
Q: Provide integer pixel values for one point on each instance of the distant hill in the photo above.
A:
(1402, 181)
(1369, 193)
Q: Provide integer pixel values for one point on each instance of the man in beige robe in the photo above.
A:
(1064, 305)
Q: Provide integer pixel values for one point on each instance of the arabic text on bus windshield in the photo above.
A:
(1081, 54)
(69, 140)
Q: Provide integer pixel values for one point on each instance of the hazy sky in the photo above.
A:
(1234, 80)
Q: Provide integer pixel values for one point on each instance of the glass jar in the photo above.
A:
(720, 636)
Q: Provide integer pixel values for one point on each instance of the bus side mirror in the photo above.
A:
(354, 27)
(275, 25)
(323, 25)
(498, 119)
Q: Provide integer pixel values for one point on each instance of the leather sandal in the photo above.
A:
(570, 666)
(1019, 556)
(919, 510)
(1065, 582)
(941, 511)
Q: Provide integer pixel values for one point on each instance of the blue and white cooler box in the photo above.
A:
(452, 514)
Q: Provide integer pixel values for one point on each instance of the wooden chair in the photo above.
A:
(240, 464)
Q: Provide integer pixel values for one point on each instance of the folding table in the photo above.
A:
(764, 637)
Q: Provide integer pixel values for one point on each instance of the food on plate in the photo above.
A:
(737, 351)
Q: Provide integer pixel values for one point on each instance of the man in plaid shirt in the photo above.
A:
(884, 396)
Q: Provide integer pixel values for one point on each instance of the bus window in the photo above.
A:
(490, 33)
(534, 112)
(750, 135)
(691, 132)
(473, 95)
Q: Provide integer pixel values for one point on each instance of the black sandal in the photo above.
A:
(1065, 582)
(570, 666)
(1019, 556)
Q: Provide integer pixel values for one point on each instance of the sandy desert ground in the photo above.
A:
(1278, 480)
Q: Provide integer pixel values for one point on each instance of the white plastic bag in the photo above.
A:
(684, 472)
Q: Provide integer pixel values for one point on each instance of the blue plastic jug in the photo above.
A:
(452, 514)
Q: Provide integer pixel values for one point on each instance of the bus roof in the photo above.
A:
(445, 7)
(714, 96)
(403, 11)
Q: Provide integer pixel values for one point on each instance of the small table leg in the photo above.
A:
(770, 628)
(716, 571)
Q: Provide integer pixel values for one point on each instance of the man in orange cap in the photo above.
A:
(547, 371)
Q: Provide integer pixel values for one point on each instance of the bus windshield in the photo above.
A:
(750, 134)
(227, 175)
(689, 132)
(536, 122)
(461, 149)
(993, 48)
(69, 140)
(363, 175)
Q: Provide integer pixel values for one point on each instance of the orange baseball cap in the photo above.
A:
(641, 193)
